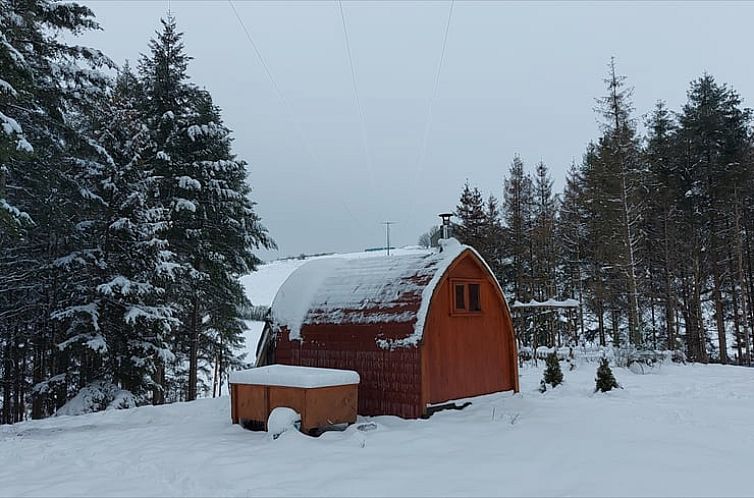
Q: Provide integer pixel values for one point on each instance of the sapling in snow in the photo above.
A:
(553, 375)
(605, 378)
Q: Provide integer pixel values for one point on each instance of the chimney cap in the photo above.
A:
(445, 216)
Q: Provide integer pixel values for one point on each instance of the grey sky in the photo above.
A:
(517, 78)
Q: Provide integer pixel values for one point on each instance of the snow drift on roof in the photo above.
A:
(381, 289)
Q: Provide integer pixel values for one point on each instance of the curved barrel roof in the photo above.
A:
(378, 289)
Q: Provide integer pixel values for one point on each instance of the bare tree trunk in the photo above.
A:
(37, 406)
(7, 384)
(215, 375)
(158, 392)
(719, 315)
(668, 298)
(654, 323)
(740, 275)
(194, 351)
(634, 326)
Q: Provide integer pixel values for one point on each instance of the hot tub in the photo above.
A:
(322, 396)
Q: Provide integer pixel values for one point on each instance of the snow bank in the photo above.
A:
(292, 376)
(684, 432)
(98, 396)
(282, 419)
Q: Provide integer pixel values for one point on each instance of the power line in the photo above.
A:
(282, 98)
(356, 93)
(261, 59)
(423, 150)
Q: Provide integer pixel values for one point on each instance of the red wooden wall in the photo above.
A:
(390, 380)
(466, 355)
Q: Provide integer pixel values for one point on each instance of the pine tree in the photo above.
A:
(517, 217)
(661, 222)
(471, 229)
(543, 234)
(227, 233)
(571, 233)
(121, 312)
(605, 379)
(493, 237)
(213, 226)
(614, 178)
(713, 129)
(45, 84)
(553, 375)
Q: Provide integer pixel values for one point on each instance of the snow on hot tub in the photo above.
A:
(293, 376)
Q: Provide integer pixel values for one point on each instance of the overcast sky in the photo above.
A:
(517, 78)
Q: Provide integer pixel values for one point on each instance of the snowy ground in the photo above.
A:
(686, 430)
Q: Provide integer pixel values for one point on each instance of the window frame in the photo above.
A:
(465, 311)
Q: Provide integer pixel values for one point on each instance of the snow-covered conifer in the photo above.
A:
(605, 380)
(553, 375)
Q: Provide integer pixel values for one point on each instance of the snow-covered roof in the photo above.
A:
(292, 376)
(262, 285)
(550, 303)
(381, 289)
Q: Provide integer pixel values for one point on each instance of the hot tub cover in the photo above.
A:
(293, 376)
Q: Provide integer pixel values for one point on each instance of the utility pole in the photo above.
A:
(387, 233)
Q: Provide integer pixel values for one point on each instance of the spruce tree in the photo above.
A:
(619, 150)
(122, 305)
(662, 221)
(714, 133)
(45, 85)
(605, 379)
(553, 375)
(571, 241)
(169, 113)
(517, 214)
(543, 253)
(471, 229)
(213, 227)
(493, 249)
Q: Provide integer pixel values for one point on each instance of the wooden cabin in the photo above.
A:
(421, 329)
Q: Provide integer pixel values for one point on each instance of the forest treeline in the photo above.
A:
(652, 233)
(125, 222)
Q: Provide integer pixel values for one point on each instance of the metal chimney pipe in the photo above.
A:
(445, 227)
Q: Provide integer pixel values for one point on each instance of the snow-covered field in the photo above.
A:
(685, 430)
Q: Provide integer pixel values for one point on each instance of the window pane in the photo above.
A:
(460, 298)
(474, 304)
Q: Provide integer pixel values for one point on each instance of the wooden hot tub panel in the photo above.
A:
(319, 407)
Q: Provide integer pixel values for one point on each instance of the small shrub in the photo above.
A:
(605, 378)
(553, 375)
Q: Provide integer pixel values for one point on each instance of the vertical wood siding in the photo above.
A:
(390, 380)
(470, 354)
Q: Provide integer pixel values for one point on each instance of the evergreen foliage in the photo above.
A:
(605, 379)
(479, 225)
(651, 235)
(553, 375)
(125, 222)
